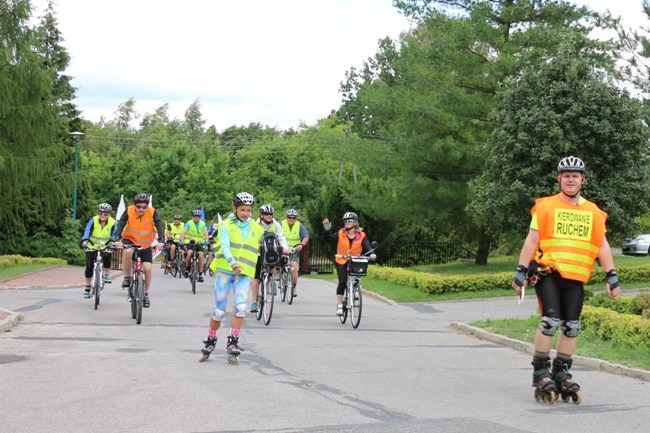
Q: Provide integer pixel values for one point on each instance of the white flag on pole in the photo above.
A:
(120, 208)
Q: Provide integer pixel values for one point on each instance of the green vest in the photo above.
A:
(193, 233)
(100, 234)
(245, 253)
(292, 235)
(174, 232)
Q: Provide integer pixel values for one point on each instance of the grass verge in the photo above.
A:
(12, 271)
(588, 344)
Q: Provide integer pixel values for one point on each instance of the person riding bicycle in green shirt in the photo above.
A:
(298, 238)
(195, 230)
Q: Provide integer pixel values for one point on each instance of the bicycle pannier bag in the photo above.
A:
(358, 266)
(270, 249)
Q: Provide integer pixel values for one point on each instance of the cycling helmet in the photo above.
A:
(571, 163)
(177, 216)
(104, 207)
(196, 212)
(141, 198)
(350, 216)
(292, 212)
(242, 198)
(267, 208)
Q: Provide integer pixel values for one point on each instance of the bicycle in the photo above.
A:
(97, 282)
(209, 256)
(136, 288)
(266, 297)
(357, 267)
(176, 269)
(194, 264)
(286, 284)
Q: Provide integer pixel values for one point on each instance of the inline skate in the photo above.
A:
(208, 346)
(545, 387)
(233, 349)
(567, 388)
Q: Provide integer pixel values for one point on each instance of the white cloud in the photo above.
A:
(276, 63)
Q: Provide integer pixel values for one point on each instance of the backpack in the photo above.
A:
(270, 249)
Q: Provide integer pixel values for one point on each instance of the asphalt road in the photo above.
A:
(69, 368)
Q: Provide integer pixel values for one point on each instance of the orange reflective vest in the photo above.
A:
(344, 248)
(140, 230)
(570, 236)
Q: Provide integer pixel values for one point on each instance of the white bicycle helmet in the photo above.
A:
(571, 163)
(104, 207)
(267, 208)
(196, 212)
(242, 198)
(350, 216)
(292, 212)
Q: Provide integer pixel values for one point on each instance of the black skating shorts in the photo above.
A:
(560, 298)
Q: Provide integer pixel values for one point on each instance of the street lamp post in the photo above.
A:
(76, 137)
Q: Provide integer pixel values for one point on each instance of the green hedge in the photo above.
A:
(437, 284)
(15, 260)
(623, 330)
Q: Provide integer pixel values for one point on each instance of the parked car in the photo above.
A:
(637, 246)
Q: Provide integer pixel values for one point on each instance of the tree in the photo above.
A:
(564, 106)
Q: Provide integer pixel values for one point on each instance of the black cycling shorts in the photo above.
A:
(559, 297)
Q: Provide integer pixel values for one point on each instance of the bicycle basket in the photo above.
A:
(359, 266)
(270, 249)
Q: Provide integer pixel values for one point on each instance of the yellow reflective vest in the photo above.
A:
(245, 252)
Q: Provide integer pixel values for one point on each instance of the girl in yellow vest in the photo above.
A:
(96, 235)
(236, 252)
(566, 236)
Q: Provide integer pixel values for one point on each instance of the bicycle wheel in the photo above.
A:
(132, 289)
(97, 282)
(174, 267)
(269, 297)
(290, 288)
(283, 284)
(260, 296)
(344, 317)
(179, 264)
(357, 303)
(194, 272)
(139, 298)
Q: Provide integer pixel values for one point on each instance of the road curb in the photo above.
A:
(9, 321)
(591, 363)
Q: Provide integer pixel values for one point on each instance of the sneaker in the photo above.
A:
(145, 301)
(126, 282)
(108, 279)
(186, 273)
(254, 307)
(87, 292)
(200, 277)
(339, 309)
(295, 291)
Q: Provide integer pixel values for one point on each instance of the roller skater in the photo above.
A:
(236, 253)
(545, 387)
(233, 349)
(208, 346)
(566, 236)
(567, 388)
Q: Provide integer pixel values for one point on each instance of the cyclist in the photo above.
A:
(173, 237)
(237, 249)
(566, 235)
(96, 235)
(297, 237)
(138, 226)
(269, 224)
(195, 230)
(351, 239)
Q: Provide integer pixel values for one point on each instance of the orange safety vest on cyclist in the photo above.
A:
(140, 230)
(344, 248)
(570, 236)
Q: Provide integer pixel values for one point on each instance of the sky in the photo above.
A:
(278, 63)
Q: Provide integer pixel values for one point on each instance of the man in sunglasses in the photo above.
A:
(269, 224)
(138, 226)
(297, 237)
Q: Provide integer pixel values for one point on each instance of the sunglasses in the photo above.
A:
(291, 218)
(266, 213)
(142, 207)
(196, 216)
(103, 213)
(348, 221)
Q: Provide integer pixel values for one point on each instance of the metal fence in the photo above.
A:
(425, 252)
